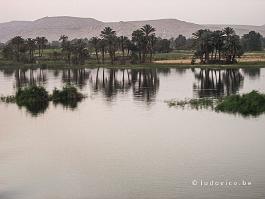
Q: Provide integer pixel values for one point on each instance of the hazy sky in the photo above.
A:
(198, 11)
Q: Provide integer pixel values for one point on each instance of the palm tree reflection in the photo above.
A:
(78, 77)
(30, 77)
(217, 83)
(110, 82)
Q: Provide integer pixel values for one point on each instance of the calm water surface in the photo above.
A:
(123, 141)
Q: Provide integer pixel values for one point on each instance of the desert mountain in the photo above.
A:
(53, 27)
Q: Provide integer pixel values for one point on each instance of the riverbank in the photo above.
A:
(4, 64)
(175, 59)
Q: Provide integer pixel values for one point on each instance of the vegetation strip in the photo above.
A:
(250, 104)
(143, 46)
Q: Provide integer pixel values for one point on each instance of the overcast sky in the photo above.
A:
(199, 11)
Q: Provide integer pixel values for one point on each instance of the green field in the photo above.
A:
(174, 55)
(176, 58)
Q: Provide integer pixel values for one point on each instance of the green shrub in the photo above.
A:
(193, 103)
(68, 96)
(8, 99)
(248, 104)
(34, 98)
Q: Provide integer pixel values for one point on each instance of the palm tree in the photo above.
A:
(79, 51)
(31, 44)
(204, 44)
(129, 45)
(229, 31)
(110, 36)
(67, 49)
(44, 43)
(17, 42)
(102, 46)
(231, 44)
(218, 41)
(64, 39)
(137, 39)
(8, 51)
(94, 41)
(153, 40)
(38, 41)
(148, 30)
(233, 48)
(107, 32)
(123, 42)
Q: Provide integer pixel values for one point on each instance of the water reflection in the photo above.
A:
(110, 82)
(30, 77)
(106, 144)
(35, 109)
(217, 83)
(78, 77)
(143, 83)
(8, 72)
(252, 73)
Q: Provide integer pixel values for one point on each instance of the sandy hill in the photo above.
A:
(74, 27)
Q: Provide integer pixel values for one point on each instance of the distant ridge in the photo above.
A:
(75, 27)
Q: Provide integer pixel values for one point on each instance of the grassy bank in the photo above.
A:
(4, 64)
(175, 59)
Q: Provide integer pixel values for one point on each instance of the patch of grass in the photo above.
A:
(175, 55)
(193, 103)
(248, 104)
(8, 99)
(202, 103)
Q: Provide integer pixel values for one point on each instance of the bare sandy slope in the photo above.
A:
(53, 27)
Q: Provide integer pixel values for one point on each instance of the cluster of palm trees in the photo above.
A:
(110, 43)
(144, 40)
(118, 48)
(75, 51)
(217, 46)
(20, 49)
(141, 44)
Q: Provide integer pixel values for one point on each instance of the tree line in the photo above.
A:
(217, 46)
(23, 50)
(108, 46)
(224, 46)
(220, 46)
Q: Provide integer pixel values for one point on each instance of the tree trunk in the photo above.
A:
(97, 56)
(39, 51)
(123, 55)
(97, 79)
(103, 56)
(151, 56)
